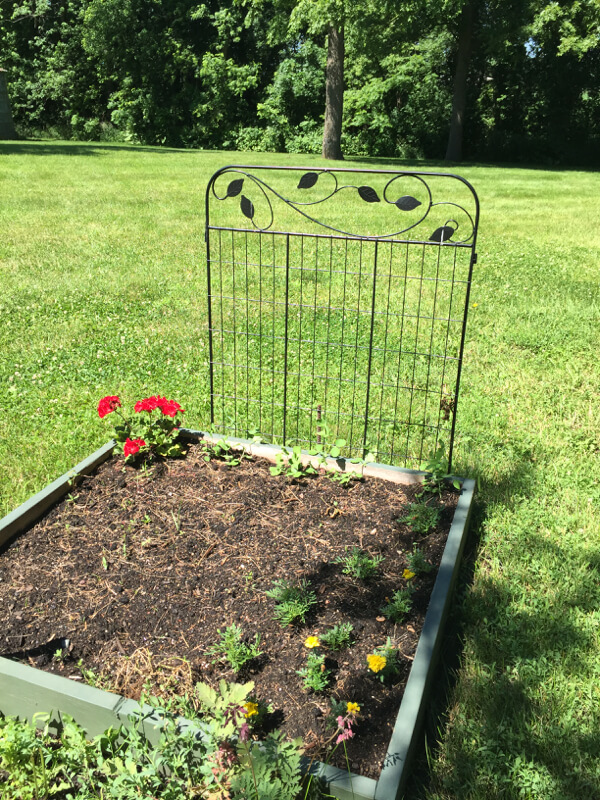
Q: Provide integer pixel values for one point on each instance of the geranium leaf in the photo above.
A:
(235, 187)
(308, 180)
(368, 194)
(247, 207)
(441, 234)
(407, 203)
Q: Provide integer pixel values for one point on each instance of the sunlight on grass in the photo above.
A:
(103, 292)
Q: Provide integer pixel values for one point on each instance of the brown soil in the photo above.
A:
(139, 568)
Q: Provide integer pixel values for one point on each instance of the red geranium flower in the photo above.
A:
(107, 405)
(149, 403)
(170, 408)
(132, 446)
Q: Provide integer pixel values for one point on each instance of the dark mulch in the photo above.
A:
(139, 568)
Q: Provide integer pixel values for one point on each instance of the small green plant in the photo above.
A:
(224, 451)
(417, 562)
(343, 478)
(421, 518)
(383, 661)
(399, 606)
(292, 603)
(315, 675)
(437, 476)
(234, 649)
(359, 564)
(322, 449)
(289, 463)
(338, 637)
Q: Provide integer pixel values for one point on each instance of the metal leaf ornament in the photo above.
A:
(247, 207)
(235, 187)
(407, 203)
(308, 180)
(368, 194)
(441, 234)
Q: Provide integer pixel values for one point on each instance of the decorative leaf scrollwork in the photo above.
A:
(247, 206)
(442, 234)
(308, 180)
(368, 194)
(407, 203)
(235, 187)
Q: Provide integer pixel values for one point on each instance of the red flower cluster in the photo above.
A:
(132, 446)
(107, 405)
(168, 407)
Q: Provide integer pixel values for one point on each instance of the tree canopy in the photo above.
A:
(487, 79)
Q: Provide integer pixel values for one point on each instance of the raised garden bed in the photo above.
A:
(235, 557)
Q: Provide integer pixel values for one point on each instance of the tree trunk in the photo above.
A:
(334, 94)
(7, 128)
(459, 98)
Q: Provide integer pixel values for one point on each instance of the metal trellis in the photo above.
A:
(337, 306)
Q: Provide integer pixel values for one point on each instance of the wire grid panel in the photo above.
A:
(317, 332)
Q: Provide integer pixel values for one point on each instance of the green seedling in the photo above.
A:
(233, 649)
(421, 518)
(437, 476)
(339, 637)
(292, 603)
(315, 676)
(289, 462)
(417, 562)
(224, 451)
(359, 565)
(399, 606)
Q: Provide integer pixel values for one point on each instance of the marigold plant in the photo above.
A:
(376, 662)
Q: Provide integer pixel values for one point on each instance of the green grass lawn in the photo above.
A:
(103, 292)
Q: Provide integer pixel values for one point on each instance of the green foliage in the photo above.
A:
(315, 676)
(292, 603)
(399, 606)
(359, 564)
(417, 562)
(194, 74)
(289, 463)
(338, 637)
(224, 451)
(269, 772)
(233, 649)
(421, 518)
(121, 763)
(437, 477)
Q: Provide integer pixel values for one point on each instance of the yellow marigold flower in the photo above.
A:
(312, 641)
(251, 708)
(376, 663)
(352, 708)
(408, 575)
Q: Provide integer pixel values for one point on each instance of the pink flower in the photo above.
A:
(132, 446)
(345, 729)
(107, 405)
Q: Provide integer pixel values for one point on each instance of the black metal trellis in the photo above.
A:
(337, 306)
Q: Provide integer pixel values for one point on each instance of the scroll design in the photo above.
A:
(404, 203)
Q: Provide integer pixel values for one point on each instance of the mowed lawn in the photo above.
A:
(103, 292)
